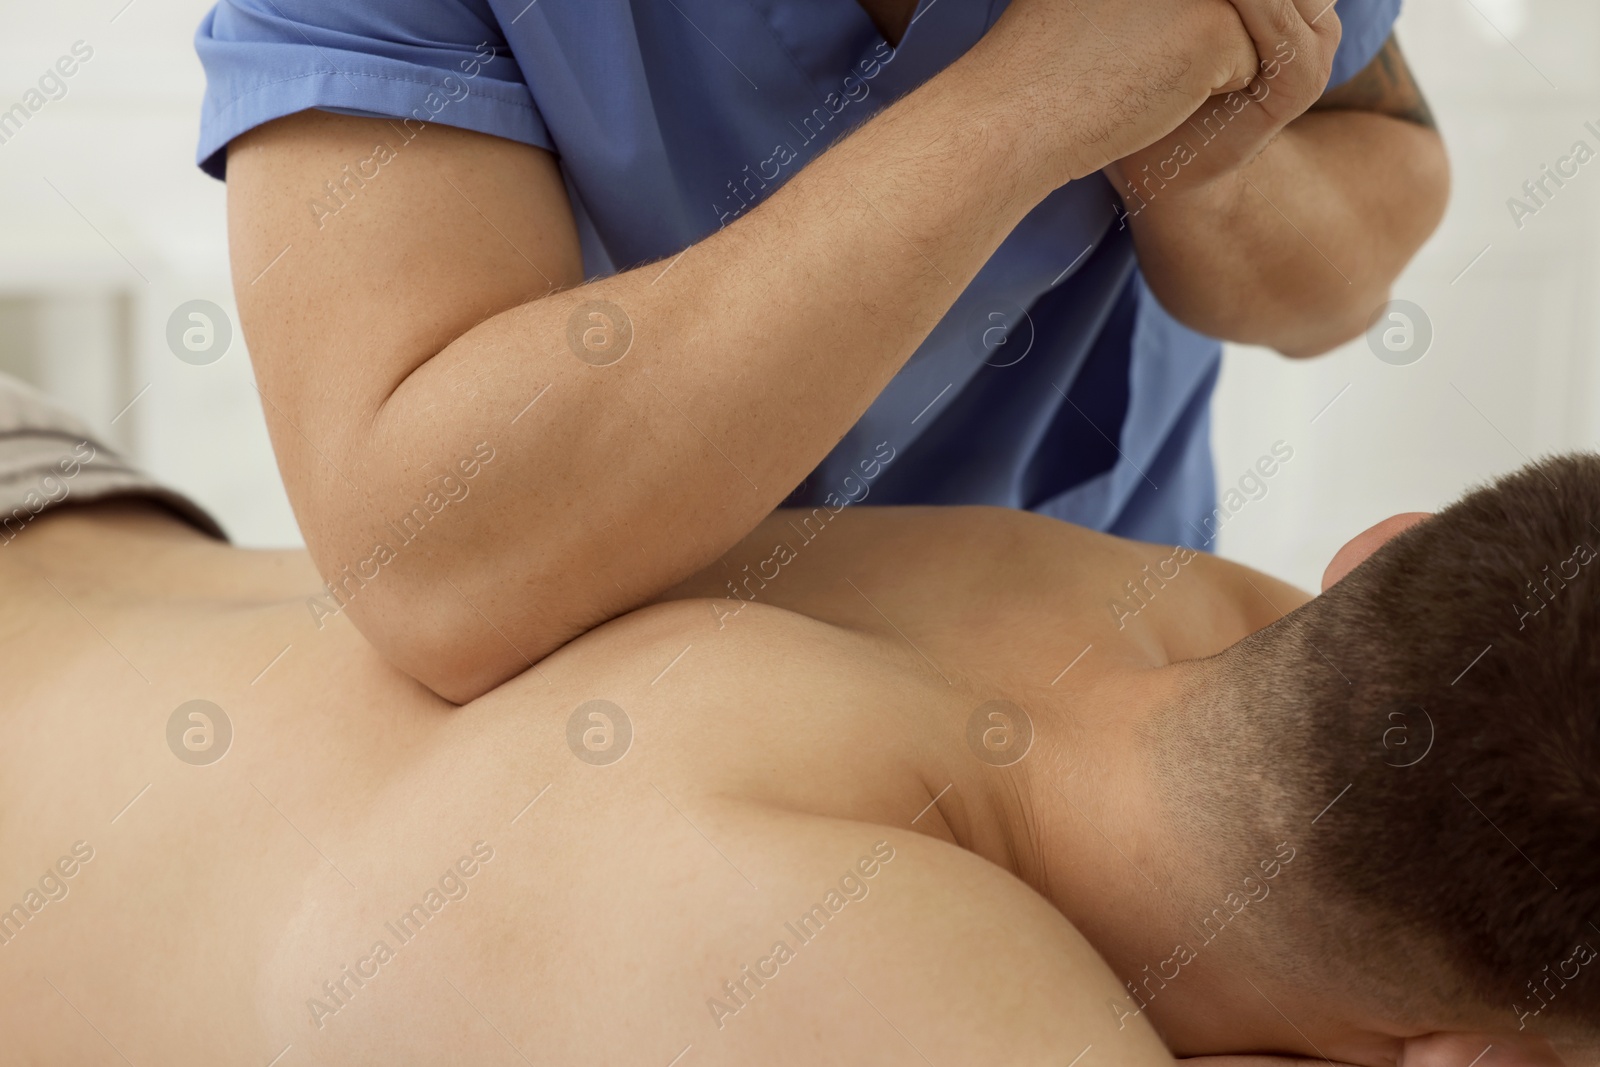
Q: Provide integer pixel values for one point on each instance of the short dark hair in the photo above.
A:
(1436, 716)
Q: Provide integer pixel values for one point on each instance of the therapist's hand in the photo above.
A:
(1295, 42)
(1093, 80)
(1277, 216)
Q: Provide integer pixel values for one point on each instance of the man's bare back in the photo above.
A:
(373, 875)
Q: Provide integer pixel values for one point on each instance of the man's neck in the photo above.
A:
(1107, 848)
(1188, 924)
(1111, 858)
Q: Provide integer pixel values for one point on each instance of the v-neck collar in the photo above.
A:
(905, 32)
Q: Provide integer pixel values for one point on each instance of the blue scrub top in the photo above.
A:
(1055, 383)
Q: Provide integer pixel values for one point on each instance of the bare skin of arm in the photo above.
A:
(426, 326)
(1296, 249)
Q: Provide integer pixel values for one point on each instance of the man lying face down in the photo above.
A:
(927, 800)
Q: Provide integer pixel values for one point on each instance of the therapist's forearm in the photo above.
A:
(1299, 248)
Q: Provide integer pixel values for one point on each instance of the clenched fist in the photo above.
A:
(1295, 41)
(1119, 83)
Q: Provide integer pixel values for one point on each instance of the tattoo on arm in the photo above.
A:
(1384, 86)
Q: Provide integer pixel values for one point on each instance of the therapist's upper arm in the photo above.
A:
(1385, 86)
(361, 248)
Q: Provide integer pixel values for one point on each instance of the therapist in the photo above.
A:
(551, 301)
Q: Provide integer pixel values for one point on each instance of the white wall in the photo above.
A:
(108, 226)
(89, 274)
(1510, 374)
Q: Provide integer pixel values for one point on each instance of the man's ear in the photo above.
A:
(1457, 1049)
(1366, 543)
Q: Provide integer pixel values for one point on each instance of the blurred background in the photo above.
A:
(108, 227)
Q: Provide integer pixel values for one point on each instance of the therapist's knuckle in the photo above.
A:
(1284, 20)
(1218, 22)
(1220, 41)
(1318, 69)
(1329, 26)
(1304, 76)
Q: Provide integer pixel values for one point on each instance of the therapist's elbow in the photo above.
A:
(1333, 330)
(421, 620)
(1417, 185)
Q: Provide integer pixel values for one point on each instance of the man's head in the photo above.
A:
(1427, 734)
